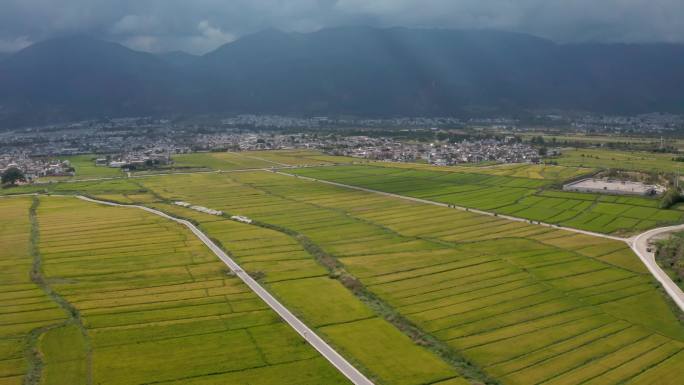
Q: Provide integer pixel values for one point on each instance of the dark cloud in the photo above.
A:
(201, 25)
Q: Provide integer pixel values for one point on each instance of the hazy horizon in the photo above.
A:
(204, 25)
(172, 51)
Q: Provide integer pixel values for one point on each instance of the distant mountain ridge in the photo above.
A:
(357, 71)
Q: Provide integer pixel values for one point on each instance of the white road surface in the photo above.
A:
(312, 338)
(640, 245)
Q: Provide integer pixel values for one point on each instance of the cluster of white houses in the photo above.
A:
(36, 167)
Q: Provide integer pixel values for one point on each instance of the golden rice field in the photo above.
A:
(292, 273)
(148, 303)
(525, 304)
(27, 311)
(410, 293)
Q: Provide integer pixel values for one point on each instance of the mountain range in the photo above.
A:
(357, 71)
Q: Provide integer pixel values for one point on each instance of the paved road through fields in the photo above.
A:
(640, 245)
(347, 369)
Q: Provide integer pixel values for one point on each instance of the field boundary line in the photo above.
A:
(461, 208)
(339, 362)
(639, 243)
(36, 358)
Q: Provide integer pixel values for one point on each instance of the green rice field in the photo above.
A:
(528, 198)
(254, 159)
(525, 304)
(86, 169)
(224, 161)
(408, 292)
(518, 170)
(293, 275)
(128, 298)
(622, 160)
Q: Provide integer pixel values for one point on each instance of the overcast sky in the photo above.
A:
(198, 26)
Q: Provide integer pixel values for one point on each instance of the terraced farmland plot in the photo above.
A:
(26, 310)
(513, 298)
(218, 161)
(520, 197)
(293, 275)
(531, 171)
(156, 306)
(622, 160)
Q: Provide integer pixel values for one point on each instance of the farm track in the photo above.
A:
(639, 243)
(339, 362)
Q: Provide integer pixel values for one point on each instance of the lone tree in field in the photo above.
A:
(12, 175)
